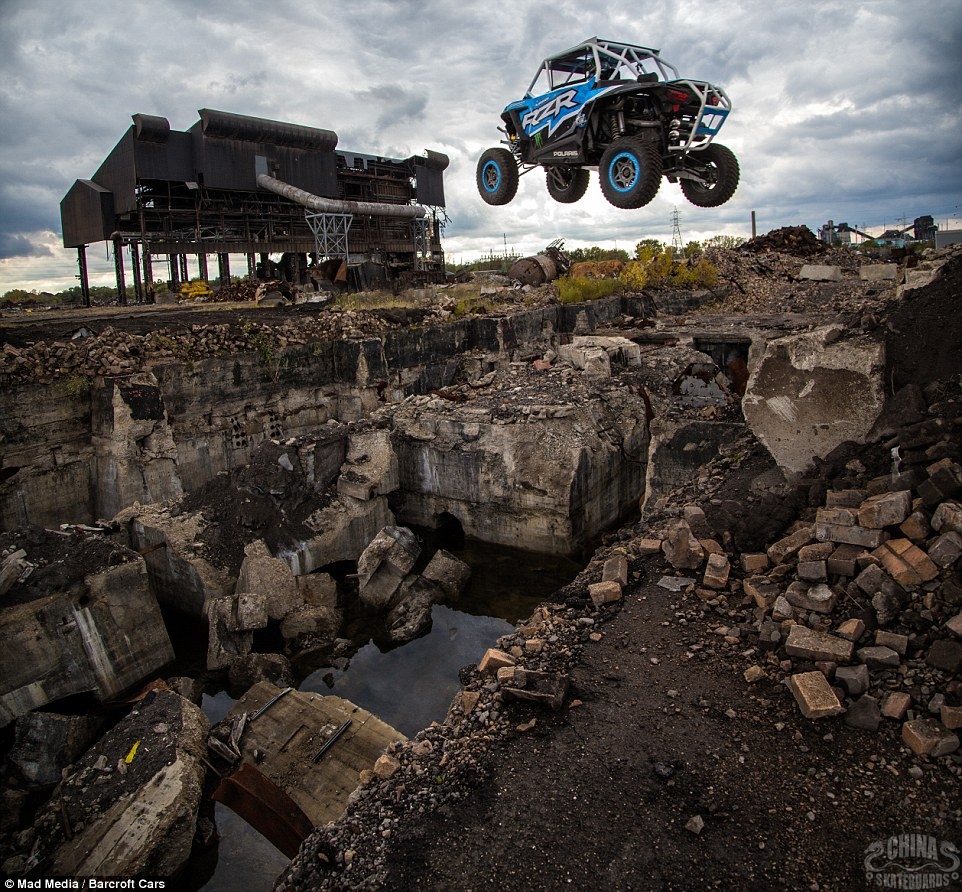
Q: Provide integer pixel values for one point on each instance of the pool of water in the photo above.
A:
(408, 686)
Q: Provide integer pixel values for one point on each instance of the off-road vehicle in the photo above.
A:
(624, 111)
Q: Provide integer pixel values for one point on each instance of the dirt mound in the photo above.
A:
(797, 240)
(269, 498)
(61, 560)
(925, 344)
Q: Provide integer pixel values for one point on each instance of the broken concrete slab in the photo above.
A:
(384, 565)
(263, 574)
(820, 273)
(130, 807)
(449, 573)
(812, 392)
(681, 548)
(549, 467)
(179, 574)
(285, 739)
(103, 637)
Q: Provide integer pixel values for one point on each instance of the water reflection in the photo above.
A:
(411, 686)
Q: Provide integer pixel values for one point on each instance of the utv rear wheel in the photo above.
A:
(497, 176)
(567, 184)
(630, 172)
(718, 165)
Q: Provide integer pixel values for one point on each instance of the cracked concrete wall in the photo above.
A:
(78, 452)
(550, 485)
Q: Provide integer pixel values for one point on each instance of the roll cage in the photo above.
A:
(604, 60)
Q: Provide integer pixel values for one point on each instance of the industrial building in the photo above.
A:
(234, 184)
(923, 229)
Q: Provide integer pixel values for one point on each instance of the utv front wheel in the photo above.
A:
(718, 167)
(567, 184)
(497, 176)
(630, 172)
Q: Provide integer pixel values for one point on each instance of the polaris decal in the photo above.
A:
(552, 109)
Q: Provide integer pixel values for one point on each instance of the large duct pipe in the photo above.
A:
(336, 205)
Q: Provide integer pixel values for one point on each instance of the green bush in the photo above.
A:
(656, 267)
(577, 289)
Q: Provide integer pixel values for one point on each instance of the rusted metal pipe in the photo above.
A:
(337, 205)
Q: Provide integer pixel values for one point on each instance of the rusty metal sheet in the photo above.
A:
(266, 807)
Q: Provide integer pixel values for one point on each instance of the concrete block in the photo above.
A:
(951, 716)
(916, 526)
(887, 509)
(896, 705)
(814, 695)
(926, 737)
(898, 643)
(493, 660)
(946, 549)
(716, 571)
(762, 590)
(813, 391)
(813, 571)
(818, 598)
(604, 592)
(948, 518)
(879, 657)
(849, 535)
(820, 273)
(818, 551)
(813, 645)
(873, 580)
(681, 548)
(754, 562)
(269, 576)
(844, 560)
(615, 569)
(789, 546)
(855, 679)
(318, 590)
(864, 714)
(878, 272)
(251, 612)
(851, 629)
(451, 574)
(844, 498)
(838, 516)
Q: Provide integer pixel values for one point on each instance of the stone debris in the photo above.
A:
(812, 612)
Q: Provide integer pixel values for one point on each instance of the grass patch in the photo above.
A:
(578, 289)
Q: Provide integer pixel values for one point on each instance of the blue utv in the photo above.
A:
(619, 109)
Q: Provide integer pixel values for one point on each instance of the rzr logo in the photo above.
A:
(559, 107)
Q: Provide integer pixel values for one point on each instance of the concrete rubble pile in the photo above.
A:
(852, 613)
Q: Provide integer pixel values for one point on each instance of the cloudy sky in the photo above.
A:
(848, 111)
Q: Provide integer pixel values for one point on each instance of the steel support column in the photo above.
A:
(223, 269)
(135, 271)
(84, 280)
(119, 270)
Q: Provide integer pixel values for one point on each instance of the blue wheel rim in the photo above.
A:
(489, 168)
(621, 164)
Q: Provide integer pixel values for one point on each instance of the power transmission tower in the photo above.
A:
(676, 240)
